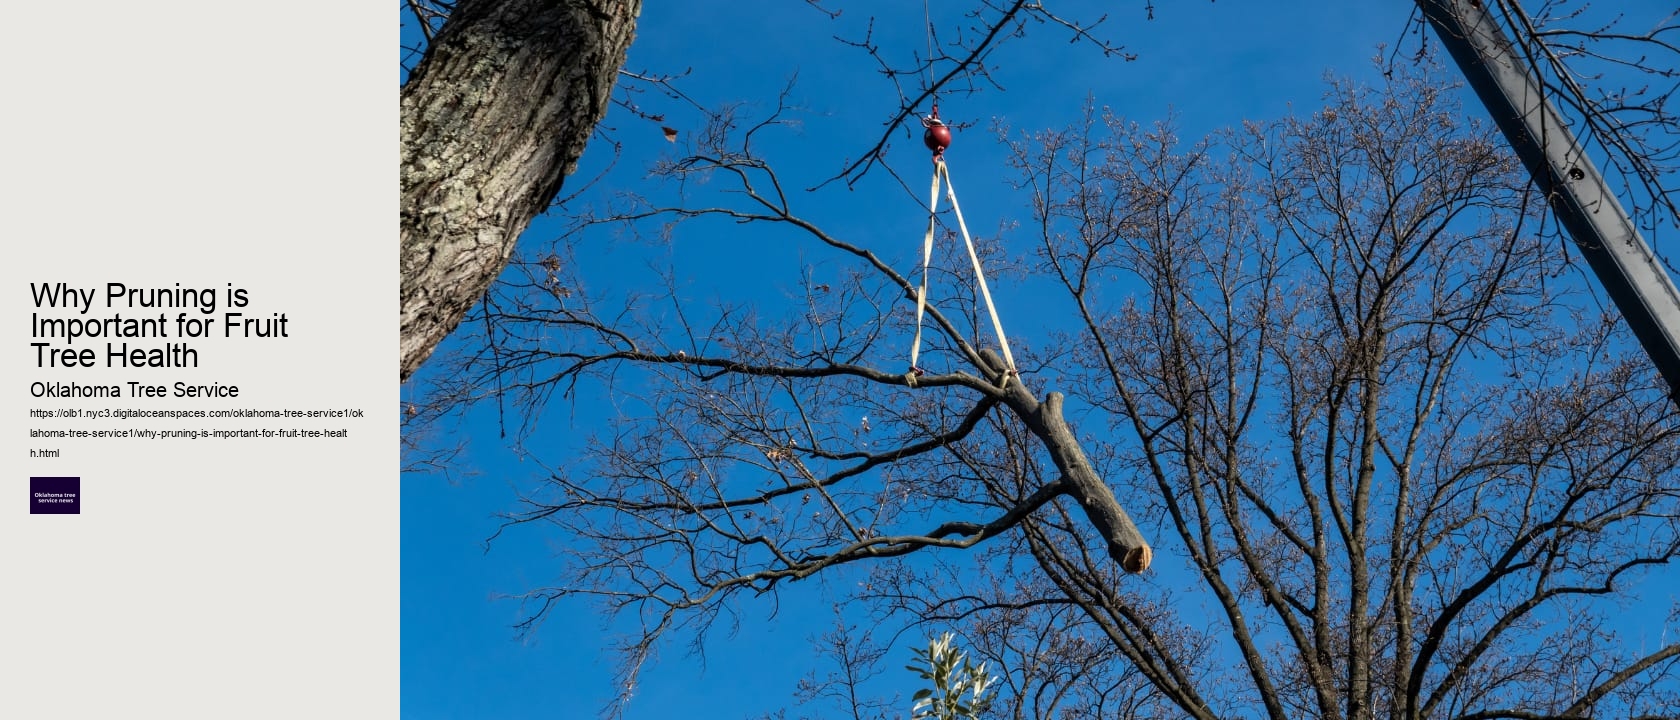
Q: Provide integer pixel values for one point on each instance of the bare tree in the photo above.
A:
(1295, 347)
(1397, 469)
(1381, 438)
(506, 93)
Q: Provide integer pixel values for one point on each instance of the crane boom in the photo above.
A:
(1561, 168)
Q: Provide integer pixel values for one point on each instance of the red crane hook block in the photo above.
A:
(938, 134)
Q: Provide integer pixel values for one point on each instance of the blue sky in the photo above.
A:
(1211, 65)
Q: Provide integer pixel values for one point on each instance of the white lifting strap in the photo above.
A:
(940, 171)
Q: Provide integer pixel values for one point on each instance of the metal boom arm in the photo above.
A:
(1562, 170)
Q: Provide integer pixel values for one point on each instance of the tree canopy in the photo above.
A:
(1335, 367)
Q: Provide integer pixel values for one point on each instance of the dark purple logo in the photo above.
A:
(55, 496)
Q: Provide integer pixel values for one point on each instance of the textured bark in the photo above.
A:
(493, 119)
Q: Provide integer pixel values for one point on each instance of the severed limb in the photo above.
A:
(1125, 543)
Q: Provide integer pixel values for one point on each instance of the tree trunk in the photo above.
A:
(493, 119)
